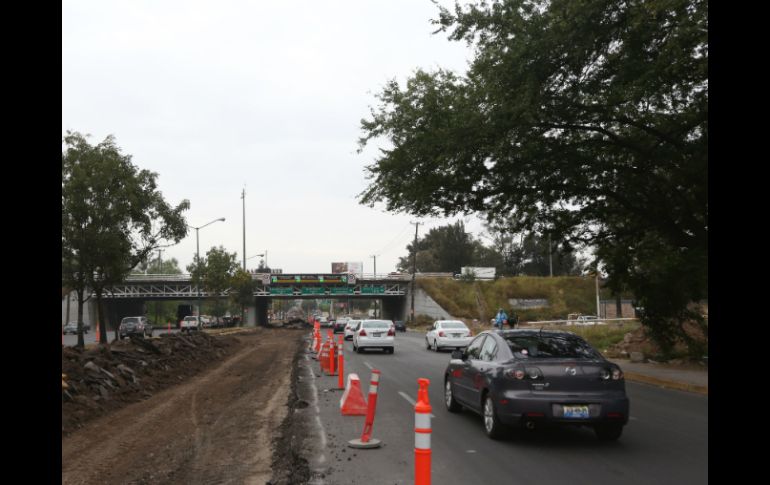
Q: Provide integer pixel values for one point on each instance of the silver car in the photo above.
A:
(375, 334)
(448, 334)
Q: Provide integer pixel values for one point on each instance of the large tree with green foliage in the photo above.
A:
(442, 249)
(215, 273)
(113, 217)
(587, 120)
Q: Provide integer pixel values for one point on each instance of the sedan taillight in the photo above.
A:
(362, 333)
(392, 332)
(532, 373)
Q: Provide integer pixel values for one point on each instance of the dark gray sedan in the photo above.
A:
(526, 377)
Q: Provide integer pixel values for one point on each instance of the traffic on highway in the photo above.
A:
(664, 427)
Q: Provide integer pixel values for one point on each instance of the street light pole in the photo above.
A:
(414, 267)
(243, 196)
(198, 258)
(374, 256)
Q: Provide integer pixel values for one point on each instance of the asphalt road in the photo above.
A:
(666, 440)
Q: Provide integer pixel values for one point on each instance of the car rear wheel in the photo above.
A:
(451, 404)
(435, 345)
(492, 425)
(608, 432)
(427, 344)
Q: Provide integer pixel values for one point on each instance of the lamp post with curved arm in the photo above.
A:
(198, 257)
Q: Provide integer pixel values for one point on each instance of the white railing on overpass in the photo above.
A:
(587, 323)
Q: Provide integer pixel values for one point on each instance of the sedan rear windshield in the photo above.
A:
(453, 325)
(378, 324)
(549, 346)
(130, 320)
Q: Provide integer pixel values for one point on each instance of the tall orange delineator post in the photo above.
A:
(332, 357)
(97, 331)
(323, 357)
(422, 432)
(340, 364)
(366, 440)
(317, 336)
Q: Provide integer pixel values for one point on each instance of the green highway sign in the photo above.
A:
(367, 290)
(281, 291)
(341, 291)
(312, 290)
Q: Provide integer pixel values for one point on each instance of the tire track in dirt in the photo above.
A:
(217, 428)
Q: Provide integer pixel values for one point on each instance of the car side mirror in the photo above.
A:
(458, 354)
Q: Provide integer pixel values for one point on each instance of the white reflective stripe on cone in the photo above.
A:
(422, 441)
(422, 420)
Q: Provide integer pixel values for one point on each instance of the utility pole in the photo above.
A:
(414, 268)
(375, 277)
(243, 196)
(598, 311)
(550, 255)
(157, 303)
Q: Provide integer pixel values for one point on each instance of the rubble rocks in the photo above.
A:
(101, 379)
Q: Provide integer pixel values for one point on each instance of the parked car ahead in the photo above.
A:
(190, 323)
(68, 327)
(448, 333)
(400, 325)
(588, 320)
(378, 334)
(134, 326)
(539, 376)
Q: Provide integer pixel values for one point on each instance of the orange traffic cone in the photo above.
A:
(352, 402)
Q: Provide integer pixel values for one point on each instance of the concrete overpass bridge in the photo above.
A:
(392, 291)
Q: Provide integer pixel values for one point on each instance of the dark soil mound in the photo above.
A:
(108, 377)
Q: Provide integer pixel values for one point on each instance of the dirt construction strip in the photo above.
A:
(666, 383)
(217, 427)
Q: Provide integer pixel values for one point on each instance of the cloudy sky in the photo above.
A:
(268, 96)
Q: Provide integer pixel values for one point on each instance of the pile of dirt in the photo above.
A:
(102, 379)
(637, 345)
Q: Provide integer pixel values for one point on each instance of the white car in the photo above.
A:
(588, 320)
(190, 323)
(448, 333)
(350, 328)
(374, 334)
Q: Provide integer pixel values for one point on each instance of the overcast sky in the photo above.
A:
(218, 96)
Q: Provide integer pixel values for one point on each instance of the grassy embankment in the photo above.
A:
(480, 300)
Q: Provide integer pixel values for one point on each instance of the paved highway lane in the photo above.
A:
(665, 442)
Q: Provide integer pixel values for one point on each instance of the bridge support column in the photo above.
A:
(251, 315)
(261, 311)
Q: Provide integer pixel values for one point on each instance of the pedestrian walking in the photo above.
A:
(513, 319)
(501, 319)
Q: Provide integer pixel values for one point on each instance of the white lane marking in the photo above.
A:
(322, 431)
(410, 400)
(633, 418)
(367, 364)
(470, 451)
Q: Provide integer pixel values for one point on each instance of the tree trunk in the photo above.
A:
(81, 341)
(100, 318)
(618, 306)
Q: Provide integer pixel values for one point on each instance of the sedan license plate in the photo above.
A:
(378, 334)
(457, 335)
(576, 412)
